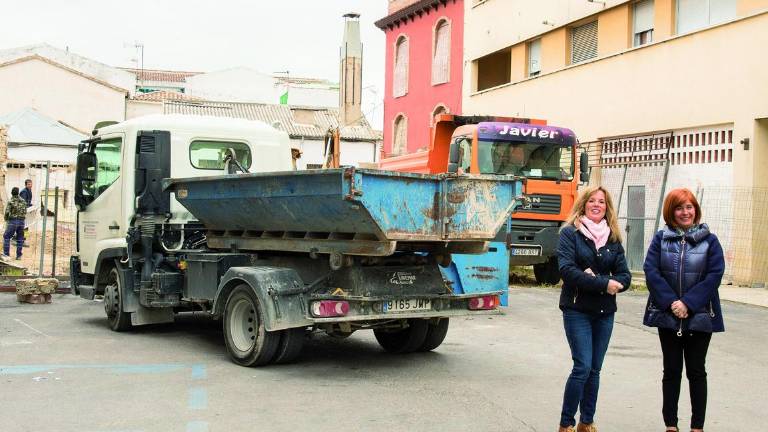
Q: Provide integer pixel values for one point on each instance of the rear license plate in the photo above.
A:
(525, 251)
(407, 305)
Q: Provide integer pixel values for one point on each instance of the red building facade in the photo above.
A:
(423, 69)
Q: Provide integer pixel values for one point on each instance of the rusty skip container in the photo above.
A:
(348, 210)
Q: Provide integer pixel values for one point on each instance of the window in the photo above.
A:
(584, 42)
(696, 14)
(400, 135)
(210, 154)
(494, 69)
(109, 158)
(440, 109)
(441, 57)
(400, 76)
(534, 58)
(643, 23)
(465, 153)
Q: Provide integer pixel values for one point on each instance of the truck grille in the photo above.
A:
(544, 204)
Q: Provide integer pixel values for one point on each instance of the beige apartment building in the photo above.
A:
(663, 94)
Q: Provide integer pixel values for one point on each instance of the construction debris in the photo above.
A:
(35, 291)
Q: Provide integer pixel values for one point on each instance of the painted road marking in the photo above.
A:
(198, 398)
(30, 327)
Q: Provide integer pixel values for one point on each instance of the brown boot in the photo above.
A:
(586, 427)
(565, 429)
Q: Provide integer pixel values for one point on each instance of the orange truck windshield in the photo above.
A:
(534, 160)
(529, 150)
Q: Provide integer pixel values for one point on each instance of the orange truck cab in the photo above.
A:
(544, 155)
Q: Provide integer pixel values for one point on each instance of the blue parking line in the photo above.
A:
(197, 426)
(199, 372)
(115, 368)
(198, 398)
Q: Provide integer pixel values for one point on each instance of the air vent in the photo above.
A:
(146, 144)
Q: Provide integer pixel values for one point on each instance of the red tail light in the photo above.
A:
(484, 303)
(330, 308)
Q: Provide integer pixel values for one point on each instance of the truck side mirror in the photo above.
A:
(584, 167)
(453, 157)
(85, 179)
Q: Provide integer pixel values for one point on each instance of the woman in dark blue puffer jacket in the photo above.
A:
(683, 269)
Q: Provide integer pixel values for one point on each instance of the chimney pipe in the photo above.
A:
(351, 75)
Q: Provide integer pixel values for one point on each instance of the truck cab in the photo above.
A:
(120, 169)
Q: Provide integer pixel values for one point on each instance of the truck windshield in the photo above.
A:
(529, 159)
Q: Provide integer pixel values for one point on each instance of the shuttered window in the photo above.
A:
(442, 53)
(584, 42)
(400, 76)
(642, 23)
(695, 14)
(534, 57)
(400, 135)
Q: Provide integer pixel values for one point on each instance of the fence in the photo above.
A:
(639, 170)
(56, 246)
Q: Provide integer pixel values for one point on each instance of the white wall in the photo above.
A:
(247, 85)
(59, 94)
(136, 108)
(106, 73)
(352, 152)
(235, 85)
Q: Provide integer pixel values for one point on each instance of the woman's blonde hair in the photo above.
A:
(580, 206)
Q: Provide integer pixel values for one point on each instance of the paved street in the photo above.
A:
(61, 369)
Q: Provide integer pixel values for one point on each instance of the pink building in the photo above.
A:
(423, 69)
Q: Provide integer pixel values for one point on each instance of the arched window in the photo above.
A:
(400, 76)
(440, 109)
(441, 53)
(400, 135)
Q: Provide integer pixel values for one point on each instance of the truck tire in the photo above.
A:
(248, 341)
(405, 340)
(118, 319)
(547, 273)
(435, 335)
(291, 342)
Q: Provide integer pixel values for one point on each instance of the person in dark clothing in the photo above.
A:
(594, 270)
(15, 212)
(683, 269)
(26, 193)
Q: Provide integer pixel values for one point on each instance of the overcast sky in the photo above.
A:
(301, 36)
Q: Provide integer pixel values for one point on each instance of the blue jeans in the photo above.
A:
(13, 226)
(588, 336)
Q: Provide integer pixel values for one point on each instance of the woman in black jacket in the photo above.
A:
(594, 270)
(683, 269)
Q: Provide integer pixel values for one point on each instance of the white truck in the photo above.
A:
(190, 213)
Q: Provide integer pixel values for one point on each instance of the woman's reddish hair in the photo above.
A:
(675, 198)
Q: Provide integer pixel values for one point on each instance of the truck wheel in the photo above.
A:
(405, 340)
(291, 342)
(113, 303)
(547, 273)
(435, 335)
(248, 342)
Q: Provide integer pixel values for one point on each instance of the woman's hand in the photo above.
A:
(589, 272)
(613, 287)
(679, 309)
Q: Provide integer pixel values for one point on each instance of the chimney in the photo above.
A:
(351, 77)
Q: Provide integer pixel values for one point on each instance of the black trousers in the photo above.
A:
(691, 347)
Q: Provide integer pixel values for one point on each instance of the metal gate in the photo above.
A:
(634, 169)
(636, 226)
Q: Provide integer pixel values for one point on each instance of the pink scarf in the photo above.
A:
(597, 232)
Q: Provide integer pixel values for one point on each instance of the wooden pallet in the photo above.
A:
(34, 298)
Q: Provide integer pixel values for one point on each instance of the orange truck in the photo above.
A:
(544, 155)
